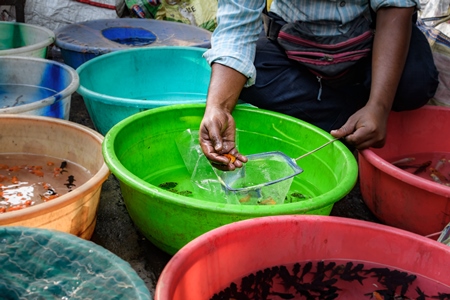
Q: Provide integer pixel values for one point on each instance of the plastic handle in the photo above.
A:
(318, 148)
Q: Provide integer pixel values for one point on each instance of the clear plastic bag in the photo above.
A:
(214, 185)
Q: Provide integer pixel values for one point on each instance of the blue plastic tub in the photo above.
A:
(119, 84)
(36, 86)
(80, 42)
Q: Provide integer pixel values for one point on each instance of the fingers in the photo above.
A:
(341, 132)
(362, 130)
(217, 140)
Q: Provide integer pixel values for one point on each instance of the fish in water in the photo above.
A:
(70, 182)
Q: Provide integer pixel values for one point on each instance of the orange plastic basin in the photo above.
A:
(396, 196)
(212, 261)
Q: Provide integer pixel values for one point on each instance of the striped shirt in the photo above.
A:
(239, 25)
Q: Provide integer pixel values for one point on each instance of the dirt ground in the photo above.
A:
(116, 232)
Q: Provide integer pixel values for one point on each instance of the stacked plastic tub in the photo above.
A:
(81, 42)
(29, 83)
(130, 65)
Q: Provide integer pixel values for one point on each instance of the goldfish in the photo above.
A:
(437, 174)
(268, 201)
(246, 198)
(14, 180)
(377, 296)
(38, 173)
(231, 157)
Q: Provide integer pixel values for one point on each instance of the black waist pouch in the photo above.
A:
(328, 57)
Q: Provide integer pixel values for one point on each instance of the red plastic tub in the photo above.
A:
(397, 197)
(209, 263)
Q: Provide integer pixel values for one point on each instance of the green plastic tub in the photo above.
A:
(119, 84)
(141, 151)
(21, 39)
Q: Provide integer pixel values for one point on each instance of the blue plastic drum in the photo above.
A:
(83, 41)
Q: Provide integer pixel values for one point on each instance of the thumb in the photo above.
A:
(341, 132)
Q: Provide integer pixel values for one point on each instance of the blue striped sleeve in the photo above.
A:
(234, 40)
(377, 4)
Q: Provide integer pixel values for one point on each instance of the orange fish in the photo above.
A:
(377, 296)
(38, 173)
(15, 168)
(231, 157)
(16, 207)
(245, 198)
(268, 201)
(438, 174)
(14, 180)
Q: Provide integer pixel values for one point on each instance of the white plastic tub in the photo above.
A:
(23, 39)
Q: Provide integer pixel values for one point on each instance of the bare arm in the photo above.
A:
(217, 130)
(367, 127)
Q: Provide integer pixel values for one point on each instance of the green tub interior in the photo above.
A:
(142, 153)
(24, 39)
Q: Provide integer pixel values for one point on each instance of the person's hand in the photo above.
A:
(217, 139)
(365, 128)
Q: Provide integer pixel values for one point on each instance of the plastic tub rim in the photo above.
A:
(66, 92)
(141, 186)
(43, 44)
(99, 177)
(387, 168)
(103, 98)
(197, 244)
(139, 103)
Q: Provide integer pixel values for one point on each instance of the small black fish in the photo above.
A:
(422, 167)
(168, 185)
(63, 167)
(298, 195)
(283, 295)
(70, 182)
(185, 193)
(306, 268)
(422, 295)
(50, 192)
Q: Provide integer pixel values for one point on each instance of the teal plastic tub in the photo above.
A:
(141, 151)
(119, 84)
(40, 263)
(21, 39)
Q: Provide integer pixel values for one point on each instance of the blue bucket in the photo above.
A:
(36, 86)
(117, 85)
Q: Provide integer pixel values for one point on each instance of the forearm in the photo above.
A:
(224, 88)
(390, 49)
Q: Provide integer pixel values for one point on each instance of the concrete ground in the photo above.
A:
(116, 232)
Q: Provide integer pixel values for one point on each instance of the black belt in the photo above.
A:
(271, 27)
